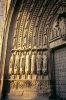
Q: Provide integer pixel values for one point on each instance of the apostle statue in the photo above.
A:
(16, 65)
(44, 69)
(11, 64)
(33, 63)
(39, 62)
(22, 64)
(27, 64)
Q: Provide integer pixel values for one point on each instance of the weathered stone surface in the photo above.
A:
(35, 27)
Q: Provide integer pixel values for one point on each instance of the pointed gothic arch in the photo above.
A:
(28, 33)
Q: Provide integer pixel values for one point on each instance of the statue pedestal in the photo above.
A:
(23, 77)
(10, 70)
(15, 71)
(29, 77)
(34, 77)
(39, 77)
(16, 76)
(12, 77)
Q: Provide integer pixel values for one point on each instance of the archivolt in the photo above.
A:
(33, 18)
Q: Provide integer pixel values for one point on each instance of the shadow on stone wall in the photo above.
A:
(5, 90)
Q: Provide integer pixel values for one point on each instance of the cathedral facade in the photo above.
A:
(33, 56)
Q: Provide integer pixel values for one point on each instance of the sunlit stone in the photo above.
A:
(33, 63)
(12, 77)
(27, 65)
(16, 77)
(29, 77)
(23, 77)
(44, 63)
(34, 77)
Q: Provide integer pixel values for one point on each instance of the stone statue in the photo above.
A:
(56, 29)
(62, 24)
(33, 62)
(27, 65)
(11, 64)
(16, 65)
(39, 62)
(44, 69)
(21, 64)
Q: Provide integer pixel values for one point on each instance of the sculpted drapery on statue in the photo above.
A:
(56, 31)
(22, 64)
(16, 65)
(44, 69)
(27, 63)
(39, 62)
(11, 64)
(62, 24)
(33, 63)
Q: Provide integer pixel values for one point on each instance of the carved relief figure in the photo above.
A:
(27, 65)
(16, 65)
(11, 64)
(62, 24)
(39, 62)
(44, 69)
(33, 63)
(22, 64)
(56, 31)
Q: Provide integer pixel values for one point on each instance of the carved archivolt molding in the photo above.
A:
(32, 20)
